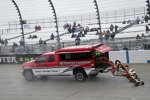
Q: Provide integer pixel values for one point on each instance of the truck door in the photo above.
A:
(46, 65)
(53, 65)
(41, 62)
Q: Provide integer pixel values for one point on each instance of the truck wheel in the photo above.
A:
(80, 75)
(28, 75)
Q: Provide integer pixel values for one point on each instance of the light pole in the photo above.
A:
(148, 7)
(56, 22)
(99, 21)
(21, 21)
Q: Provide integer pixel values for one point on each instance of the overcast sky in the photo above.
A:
(106, 5)
(34, 9)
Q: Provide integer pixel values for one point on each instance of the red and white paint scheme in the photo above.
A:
(80, 61)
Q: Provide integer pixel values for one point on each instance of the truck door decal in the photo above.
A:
(59, 70)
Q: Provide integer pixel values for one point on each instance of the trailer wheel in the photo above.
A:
(137, 83)
(142, 82)
(80, 75)
(28, 75)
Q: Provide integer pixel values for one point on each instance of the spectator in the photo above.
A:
(39, 27)
(40, 41)
(34, 36)
(73, 35)
(36, 28)
(73, 29)
(14, 47)
(147, 29)
(146, 19)
(0, 47)
(97, 32)
(77, 40)
(86, 30)
(129, 21)
(44, 42)
(66, 26)
(142, 19)
(69, 29)
(83, 35)
(143, 38)
(52, 36)
(79, 34)
(78, 25)
(112, 34)
(106, 34)
(2, 42)
(116, 28)
(137, 20)
(138, 38)
(0, 39)
(21, 42)
(30, 37)
(6, 42)
(74, 24)
(81, 29)
(124, 22)
(14, 44)
(111, 27)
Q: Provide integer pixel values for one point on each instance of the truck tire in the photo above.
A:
(80, 75)
(28, 75)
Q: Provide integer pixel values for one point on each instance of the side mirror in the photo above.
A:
(36, 61)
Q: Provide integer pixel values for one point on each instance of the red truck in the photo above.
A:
(80, 61)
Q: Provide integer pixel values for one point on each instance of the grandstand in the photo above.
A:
(133, 31)
(35, 14)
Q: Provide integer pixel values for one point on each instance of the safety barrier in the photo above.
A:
(17, 58)
(131, 56)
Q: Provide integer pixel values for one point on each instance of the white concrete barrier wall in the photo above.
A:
(136, 56)
(118, 55)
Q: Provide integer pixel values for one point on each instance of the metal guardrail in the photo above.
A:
(116, 44)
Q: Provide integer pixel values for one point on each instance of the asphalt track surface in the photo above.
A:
(13, 86)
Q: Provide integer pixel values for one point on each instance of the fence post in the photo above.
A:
(124, 14)
(144, 11)
(134, 13)
(51, 23)
(89, 19)
(43, 23)
(115, 15)
(81, 20)
(73, 18)
(66, 20)
(130, 45)
(106, 18)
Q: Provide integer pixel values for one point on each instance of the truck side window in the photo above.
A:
(67, 56)
(76, 56)
(42, 59)
(51, 58)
